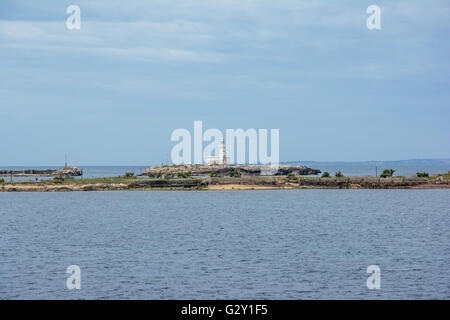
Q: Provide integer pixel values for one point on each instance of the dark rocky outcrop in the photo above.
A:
(64, 172)
(168, 183)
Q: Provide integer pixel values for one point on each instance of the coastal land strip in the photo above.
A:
(226, 183)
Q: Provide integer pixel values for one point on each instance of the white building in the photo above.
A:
(221, 158)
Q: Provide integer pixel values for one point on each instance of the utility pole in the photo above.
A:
(65, 161)
(376, 171)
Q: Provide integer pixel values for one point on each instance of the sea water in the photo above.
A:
(267, 244)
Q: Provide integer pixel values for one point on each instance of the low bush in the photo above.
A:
(387, 173)
(339, 175)
(422, 174)
(214, 174)
(234, 173)
(58, 179)
(290, 175)
(128, 175)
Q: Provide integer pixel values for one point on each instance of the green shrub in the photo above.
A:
(151, 175)
(168, 176)
(290, 175)
(128, 175)
(58, 179)
(387, 173)
(339, 175)
(2, 180)
(422, 174)
(159, 174)
(325, 174)
(234, 173)
(214, 174)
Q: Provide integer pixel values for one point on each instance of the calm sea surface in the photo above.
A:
(281, 244)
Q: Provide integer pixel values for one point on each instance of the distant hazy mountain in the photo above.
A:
(372, 163)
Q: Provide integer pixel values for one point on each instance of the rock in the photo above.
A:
(69, 171)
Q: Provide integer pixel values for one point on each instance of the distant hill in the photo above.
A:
(372, 163)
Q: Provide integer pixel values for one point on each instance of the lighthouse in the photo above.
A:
(221, 158)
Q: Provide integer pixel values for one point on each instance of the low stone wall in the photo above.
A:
(243, 181)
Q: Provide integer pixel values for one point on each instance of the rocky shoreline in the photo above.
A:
(251, 170)
(228, 183)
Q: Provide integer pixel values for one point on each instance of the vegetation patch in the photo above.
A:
(387, 173)
(214, 174)
(422, 174)
(339, 175)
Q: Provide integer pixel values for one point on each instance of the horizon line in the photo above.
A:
(281, 162)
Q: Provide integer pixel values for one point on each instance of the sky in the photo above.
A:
(112, 92)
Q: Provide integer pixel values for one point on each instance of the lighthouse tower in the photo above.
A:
(222, 153)
(221, 158)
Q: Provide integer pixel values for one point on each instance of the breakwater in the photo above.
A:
(64, 172)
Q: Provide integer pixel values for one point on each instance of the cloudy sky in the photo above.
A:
(112, 92)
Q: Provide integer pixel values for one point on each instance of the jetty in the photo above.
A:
(64, 172)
